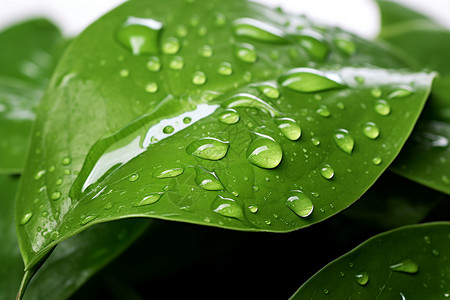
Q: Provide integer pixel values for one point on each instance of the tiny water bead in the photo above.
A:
(257, 30)
(300, 204)
(168, 129)
(25, 218)
(168, 171)
(39, 174)
(253, 209)
(187, 120)
(208, 180)
(151, 87)
(327, 172)
(289, 128)
(245, 52)
(376, 92)
(206, 51)
(149, 199)
(171, 45)
(66, 161)
(405, 266)
(133, 177)
(377, 160)
(309, 80)
(400, 93)
(124, 73)
(208, 148)
(88, 219)
(382, 107)
(227, 207)
(323, 111)
(270, 90)
(55, 195)
(229, 116)
(345, 45)
(344, 140)
(181, 31)
(176, 63)
(225, 69)
(371, 130)
(154, 64)
(264, 151)
(139, 35)
(362, 278)
(199, 78)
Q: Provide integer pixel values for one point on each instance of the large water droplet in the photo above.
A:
(225, 69)
(177, 63)
(300, 204)
(207, 180)
(289, 128)
(168, 171)
(264, 152)
(208, 148)
(25, 218)
(149, 199)
(327, 172)
(171, 45)
(199, 78)
(371, 130)
(344, 140)
(382, 107)
(309, 80)
(229, 116)
(257, 30)
(362, 278)
(405, 266)
(139, 35)
(244, 100)
(227, 207)
(314, 43)
(245, 52)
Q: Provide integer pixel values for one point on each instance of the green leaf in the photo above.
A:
(28, 55)
(406, 263)
(212, 126)
(429, 43)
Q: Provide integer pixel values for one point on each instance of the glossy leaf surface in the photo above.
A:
(129, 129)
(28, 55)
(407, 263)
(426, 156)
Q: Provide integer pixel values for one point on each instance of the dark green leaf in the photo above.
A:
(406, 263)
(205, 126)
(426, 156)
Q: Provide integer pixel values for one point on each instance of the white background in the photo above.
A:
(358, 16)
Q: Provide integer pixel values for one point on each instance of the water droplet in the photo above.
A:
(264, 151)
(139, 35)
(59, 181)
(168, 129)
(227, 207)
(405, 266)
(66, 161)
(149, 199)
(151, 87)
(345, 45)
(206, 51)
(171, 45)
(199, 78)
(313, 43)
(253, 209)
(124, 73)
(309, 80)
(207, 180)
(55, 195)
(257, 30)
(176, 63)
(435, 252)
(268, 222)
(244, 100)
(220, 19)
(376, 93)
(39, 174)
(225, 69)
(208, 148)
(289, 128)
(154, 64)
(382, 107)
(300, 204)
(108, 206)
(168, 171)
(270, 90)
(315, 141)
(133, 177)
(327, 172)
(325, 291)
(323, 111)
(371, 130)
(246, 53)
(377, 160)
(229, 116)
(362, 278)
(26, 218)
(400, 93)
(344, 140)
(187, 120)
(88, 219)
(54, 235)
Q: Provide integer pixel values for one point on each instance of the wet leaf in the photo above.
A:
(406, 263)
(129, 128)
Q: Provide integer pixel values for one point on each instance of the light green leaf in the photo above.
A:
(405, 263)
(212, 126)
